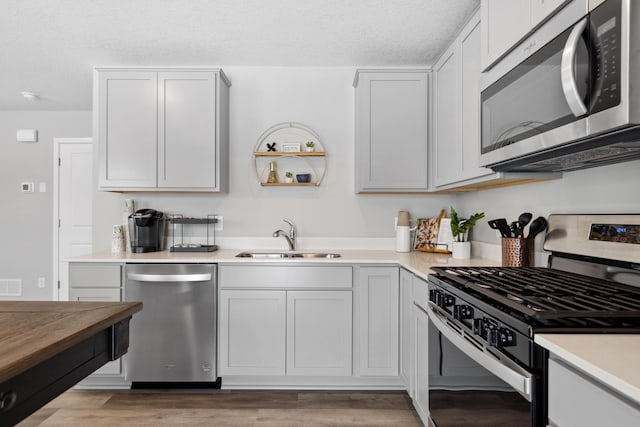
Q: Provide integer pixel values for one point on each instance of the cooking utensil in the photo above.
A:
(537, 226)
(516, 231)
(501, 225)
(523, 220)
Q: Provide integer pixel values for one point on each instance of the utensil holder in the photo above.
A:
(517, 252)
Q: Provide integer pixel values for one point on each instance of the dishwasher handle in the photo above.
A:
(156, 278)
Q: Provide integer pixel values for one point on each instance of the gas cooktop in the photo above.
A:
(553, 298)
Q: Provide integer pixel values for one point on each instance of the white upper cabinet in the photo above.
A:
(506, 22)
(456, 141)
(161, 129)
(391, 130)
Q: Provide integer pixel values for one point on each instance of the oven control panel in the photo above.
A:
(483, 326)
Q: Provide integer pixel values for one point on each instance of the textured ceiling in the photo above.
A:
(50, 46)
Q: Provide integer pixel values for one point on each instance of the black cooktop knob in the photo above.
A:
(447, 300)
(434, 296)
(462, 312)
(501, 337)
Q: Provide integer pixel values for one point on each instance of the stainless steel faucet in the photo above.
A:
(291, 237)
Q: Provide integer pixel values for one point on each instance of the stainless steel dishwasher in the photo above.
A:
(173, 338)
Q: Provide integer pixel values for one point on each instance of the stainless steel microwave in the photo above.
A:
(572, 103)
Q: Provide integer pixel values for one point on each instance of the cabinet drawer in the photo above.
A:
(95, 275)
(264, 276)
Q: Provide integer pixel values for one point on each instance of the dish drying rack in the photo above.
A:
(179, 220)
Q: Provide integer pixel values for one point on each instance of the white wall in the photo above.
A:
(322, 99)
(26, 246)
(606, 189)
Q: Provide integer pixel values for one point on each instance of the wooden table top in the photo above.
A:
(33, 331)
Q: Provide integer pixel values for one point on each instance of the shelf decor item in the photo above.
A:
(273, 174)
(288, 177)
(290, 147)
(290, 138)
(310, 147)
(303, 177)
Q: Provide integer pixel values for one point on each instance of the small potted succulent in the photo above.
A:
(461, 247)
(310, 146)
(288, 177)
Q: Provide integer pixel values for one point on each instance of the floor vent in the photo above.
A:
(10, 287)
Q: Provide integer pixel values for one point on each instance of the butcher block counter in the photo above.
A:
(47, 347)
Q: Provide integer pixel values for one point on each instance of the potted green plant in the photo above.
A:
(288, 177)
(310, 146)
(461, 247)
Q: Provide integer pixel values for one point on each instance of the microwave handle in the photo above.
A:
(498, 365)
(567, 73)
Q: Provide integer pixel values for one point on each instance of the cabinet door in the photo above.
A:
(187, 129)
(577, 400)
(543, 9)
(421, 368)
(391, 131)
(504, 23)
(252, 332)
(406, 341)
(319, 338)
(469, 103)
(100, 294)
(448, 158)
(378, 291)
(127, 129)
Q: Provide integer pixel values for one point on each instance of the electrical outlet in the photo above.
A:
(41, 283)
(219, 225)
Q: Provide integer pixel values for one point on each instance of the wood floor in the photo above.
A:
(226, 408)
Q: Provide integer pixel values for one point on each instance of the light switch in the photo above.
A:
(42, 187)
(26, 187)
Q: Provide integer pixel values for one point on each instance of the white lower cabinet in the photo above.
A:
(578, 400)
(319, 333)
(98, 282)
(274, 323)
(378, 294)
(421, 368)
(252, 332)
(406, 330)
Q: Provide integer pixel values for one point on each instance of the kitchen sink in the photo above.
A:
(287, 255)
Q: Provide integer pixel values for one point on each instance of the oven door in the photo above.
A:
(470, 385)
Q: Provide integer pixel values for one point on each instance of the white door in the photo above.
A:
(72, 206)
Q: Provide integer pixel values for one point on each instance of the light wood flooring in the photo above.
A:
(77, 408)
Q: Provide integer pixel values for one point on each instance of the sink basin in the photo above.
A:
(286, 255)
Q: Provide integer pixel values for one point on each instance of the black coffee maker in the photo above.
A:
(146, 230)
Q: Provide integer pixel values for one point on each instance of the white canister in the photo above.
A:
(403, 238)
(117, 239)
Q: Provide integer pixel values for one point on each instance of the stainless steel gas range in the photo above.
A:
(492, 314)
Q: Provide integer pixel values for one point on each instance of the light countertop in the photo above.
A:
(611, 359)
(419, 263)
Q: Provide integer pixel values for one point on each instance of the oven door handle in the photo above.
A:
(502, 367)
(567, 70)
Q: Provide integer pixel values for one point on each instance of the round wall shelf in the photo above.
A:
(288, 144)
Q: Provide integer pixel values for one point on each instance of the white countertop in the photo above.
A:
(609, 359)
(419, 263)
